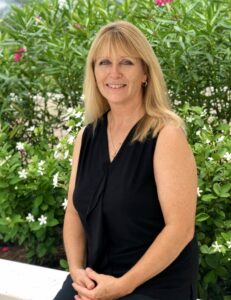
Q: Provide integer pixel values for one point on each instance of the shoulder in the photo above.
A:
(78, 140)
(172, 146)
(171, 133)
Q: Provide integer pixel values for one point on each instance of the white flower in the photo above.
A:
(23, 173)
(220, 139)
(64, 204)
(30, 218)
(2, 162)
(79, 114)
(189, 119)
(210, 158)
(58, 155)
(216, 247)
(41, 163)
(32, 128)
(41, 167)
(209, 91)
(62, 4)
(41, 171)
(20, 146)
(55, 179)
(199, 192)
(69, 129)
(42, 220)
(227, 156)
(176, 102)
(198, 132)
(70, 110)
(66, 154)
(211, 119)
(207, 141)
(71, 139)
(229, 244)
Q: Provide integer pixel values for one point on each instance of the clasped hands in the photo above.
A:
(91, 285)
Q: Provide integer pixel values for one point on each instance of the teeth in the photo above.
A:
(115, 86)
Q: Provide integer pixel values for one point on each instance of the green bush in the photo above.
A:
(191, 39)
(33, 187)
(211, 144)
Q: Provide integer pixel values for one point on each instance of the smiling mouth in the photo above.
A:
(115, 86)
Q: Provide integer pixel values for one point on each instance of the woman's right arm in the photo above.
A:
(73, 231)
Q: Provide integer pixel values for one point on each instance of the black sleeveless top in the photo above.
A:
(120, 211)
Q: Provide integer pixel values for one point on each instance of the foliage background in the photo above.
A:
(41, 112)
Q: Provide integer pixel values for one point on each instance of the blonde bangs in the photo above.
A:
(114, 42)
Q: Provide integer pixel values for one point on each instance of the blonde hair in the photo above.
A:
(123, 35)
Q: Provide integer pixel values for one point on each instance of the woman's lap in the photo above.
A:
(67, 293)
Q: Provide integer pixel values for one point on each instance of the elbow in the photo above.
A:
(189, 234)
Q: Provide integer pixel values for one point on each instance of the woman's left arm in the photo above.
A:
(176, 179)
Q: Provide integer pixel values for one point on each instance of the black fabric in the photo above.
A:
(119, 208)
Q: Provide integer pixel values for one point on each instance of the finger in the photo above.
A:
(92, 274)
(84, 292)
(88, 283)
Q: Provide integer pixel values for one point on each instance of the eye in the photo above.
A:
(104, 62)
(126, 62)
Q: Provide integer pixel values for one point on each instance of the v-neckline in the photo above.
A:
(126, 139)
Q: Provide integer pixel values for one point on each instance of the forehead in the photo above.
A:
(110, 45)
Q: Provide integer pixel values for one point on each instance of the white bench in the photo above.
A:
(19, 281)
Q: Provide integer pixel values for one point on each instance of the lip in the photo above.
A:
(115, 86)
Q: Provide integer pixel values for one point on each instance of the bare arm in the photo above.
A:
(176, 179)
(73, 232)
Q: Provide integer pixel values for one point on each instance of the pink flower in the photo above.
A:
(5, 249)
(18, 54)
(162, 2)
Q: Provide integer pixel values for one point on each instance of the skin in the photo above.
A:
(174, 168)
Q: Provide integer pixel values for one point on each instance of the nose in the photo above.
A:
(115, 71)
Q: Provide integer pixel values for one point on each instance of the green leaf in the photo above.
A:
(210, 277)
(208, 197)
(202, 217)
(38, 200)
(213, 261)
(63, 263)
(52, 223)
(3, 184)
(217, 189)
(205, 249)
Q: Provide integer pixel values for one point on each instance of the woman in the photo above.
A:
(129, 224)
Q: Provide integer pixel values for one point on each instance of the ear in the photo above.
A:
(145, 78)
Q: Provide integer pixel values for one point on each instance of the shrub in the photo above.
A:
(33, 187)
(44, 46)
(211, 144)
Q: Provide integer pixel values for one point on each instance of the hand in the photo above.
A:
(80, 277)
(107, 288)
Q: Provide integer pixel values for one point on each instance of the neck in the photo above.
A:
(120, 116)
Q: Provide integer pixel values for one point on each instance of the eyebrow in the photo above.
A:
(121, 57)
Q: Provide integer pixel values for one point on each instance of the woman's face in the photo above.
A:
(119, 77)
